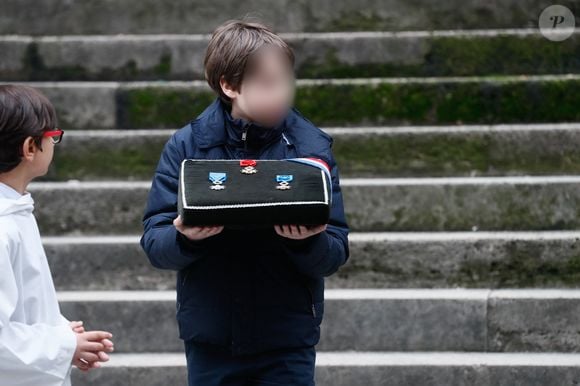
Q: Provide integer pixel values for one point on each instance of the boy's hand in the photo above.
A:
(196, 233)
(77, 326)
(298, 232)
(91, 349)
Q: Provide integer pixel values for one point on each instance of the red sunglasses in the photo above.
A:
(54, 135)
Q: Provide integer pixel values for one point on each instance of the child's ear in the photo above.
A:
(227, 89)
(29, 149)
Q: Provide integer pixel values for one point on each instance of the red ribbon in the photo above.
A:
(248, 162)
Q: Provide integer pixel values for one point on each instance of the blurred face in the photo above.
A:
(267, 91)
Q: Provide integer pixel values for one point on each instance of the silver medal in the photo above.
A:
(249, 170)
(284, 181)
(248, 166)
(218, 180)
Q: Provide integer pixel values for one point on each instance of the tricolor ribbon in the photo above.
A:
(317, 162)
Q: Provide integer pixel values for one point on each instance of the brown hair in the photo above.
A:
(24, 112)
(230, 47)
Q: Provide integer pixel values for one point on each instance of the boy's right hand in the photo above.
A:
(91, 348)
(196, 233)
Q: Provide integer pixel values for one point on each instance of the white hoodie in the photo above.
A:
(36, 343)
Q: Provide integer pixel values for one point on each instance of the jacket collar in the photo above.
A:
(217, 127)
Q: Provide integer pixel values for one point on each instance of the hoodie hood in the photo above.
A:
(22, 205)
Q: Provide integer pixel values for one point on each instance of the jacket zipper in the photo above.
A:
(245, 136)
(184, 278)
(311, 302)
(182, 284)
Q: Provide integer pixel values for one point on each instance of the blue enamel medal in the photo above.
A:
(218, 180)
(284, 181)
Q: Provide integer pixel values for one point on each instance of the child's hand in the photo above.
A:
(196, 233)
(109, 346)
(77, 326)
(298, 232)
(103, 357)
(91, 349)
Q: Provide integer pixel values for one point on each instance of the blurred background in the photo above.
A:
(456, 127)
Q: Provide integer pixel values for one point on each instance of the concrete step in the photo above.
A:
(367, 319)
(398, 204)
(330, 102)
(378, 260)
(369, 368)
(131, 16)
(319, 55)
(360, 152)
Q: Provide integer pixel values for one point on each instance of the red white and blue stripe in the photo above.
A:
(313, 162)
(316, 162)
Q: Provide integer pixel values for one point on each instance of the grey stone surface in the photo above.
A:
(178, 57)
(105, 267)
(143, 105)
(412, 262)
(104, 58)
(534, 376)
(405, 325)
(129, 376)
(146, 326)
(142, 57)
(350, 324)
(449, 207)
(402, 375)
(396, 369)
(86, 209)
(98, 105)
(111, 17)
(107, 155)
(403, 320)
(376, 261)
(534, 324)
(360, 152)
(370, 205)
(83, 105)
(325, 376)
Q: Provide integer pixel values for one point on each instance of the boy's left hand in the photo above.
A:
(298, 232)
(77, 326)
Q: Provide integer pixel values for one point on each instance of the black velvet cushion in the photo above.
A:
(256, 197)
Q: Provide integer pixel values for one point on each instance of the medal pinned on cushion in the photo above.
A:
(284, 181)
(218, 180)
(248, 166)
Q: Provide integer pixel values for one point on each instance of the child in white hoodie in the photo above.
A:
(38, 345)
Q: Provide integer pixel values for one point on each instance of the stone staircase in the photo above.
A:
(458, 136)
